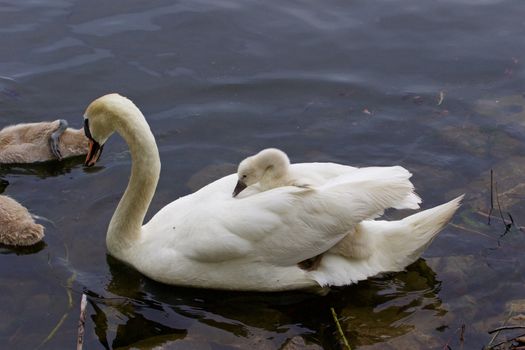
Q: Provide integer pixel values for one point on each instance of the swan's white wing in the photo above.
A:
(318, 174)
(282, 226)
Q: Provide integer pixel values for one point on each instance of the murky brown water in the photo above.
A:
(437, 87)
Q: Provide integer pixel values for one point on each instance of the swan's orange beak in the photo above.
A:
(95, 150)
(238, 189)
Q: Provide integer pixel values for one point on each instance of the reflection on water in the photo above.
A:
(35, 248)
(134, 312)
(427, 85)
(3, 185)
(43, 169)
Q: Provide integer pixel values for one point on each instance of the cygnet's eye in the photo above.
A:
(244, 176)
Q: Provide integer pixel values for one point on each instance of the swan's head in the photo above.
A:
(100, 121)
(269, 164)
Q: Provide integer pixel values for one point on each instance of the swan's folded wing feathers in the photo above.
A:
(285, 225)
(367, 192)
(223, 246)
(288, 224)
(278, 229)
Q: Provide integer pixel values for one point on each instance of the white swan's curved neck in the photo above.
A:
(126, 224)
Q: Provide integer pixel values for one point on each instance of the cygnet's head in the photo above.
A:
(100, 120)
(269, 162)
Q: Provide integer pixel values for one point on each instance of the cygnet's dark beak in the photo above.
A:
(95, 149)
(238, 189)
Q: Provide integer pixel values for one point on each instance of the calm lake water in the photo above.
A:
(435, 86)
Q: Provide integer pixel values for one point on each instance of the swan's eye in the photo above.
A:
(244, 176)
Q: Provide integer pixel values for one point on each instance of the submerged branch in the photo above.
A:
(497, 332)
(55, 329)
(471, 230)
(505, 342)
(69, 286)
(340, 330)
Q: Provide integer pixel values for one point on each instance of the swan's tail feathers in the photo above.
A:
(367, 192)
(414, 234)
(393, 245)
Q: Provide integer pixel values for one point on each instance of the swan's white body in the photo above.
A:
(210, 239)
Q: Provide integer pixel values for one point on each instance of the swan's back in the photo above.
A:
(17, 227)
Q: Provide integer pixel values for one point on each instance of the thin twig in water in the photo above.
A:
(446, 346)
(471, 231)
(503, 328)
(499, 205)
(514, 223)
(497, 332)
(55, 329)
(69, 286)
(491, 194)
(339, 329)
(505, 342)
(462, 336)
(81, 322)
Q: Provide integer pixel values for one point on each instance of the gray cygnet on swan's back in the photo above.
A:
(17, 227)
(40, 142)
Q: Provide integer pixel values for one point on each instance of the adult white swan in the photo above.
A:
(210, 239)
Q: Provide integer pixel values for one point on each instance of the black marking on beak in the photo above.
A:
(238, 188)
(95, 149)
(86, 129)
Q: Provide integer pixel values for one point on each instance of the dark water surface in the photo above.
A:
(435, 86)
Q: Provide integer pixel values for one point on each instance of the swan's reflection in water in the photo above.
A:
(135, 312)
(44, 169)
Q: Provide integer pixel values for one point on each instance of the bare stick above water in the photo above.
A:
(81, 322)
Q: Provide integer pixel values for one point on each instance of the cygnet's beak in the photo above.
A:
(238, 189)
(95, 149)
